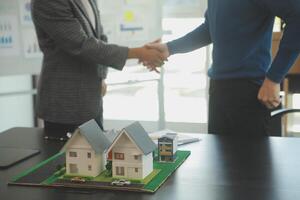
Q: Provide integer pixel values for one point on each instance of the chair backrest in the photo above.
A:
(275, 125)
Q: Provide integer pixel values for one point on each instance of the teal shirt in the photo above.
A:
(241, 33)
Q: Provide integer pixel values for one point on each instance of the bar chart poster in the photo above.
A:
(25, 12)
(31, 46)
(9, 38)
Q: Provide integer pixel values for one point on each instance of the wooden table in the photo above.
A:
(219, 168)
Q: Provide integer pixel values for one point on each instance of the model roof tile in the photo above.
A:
(140, 137)
(95, 136)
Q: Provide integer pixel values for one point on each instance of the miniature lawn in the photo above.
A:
(103, 178)
(166, 170)
(151, 183)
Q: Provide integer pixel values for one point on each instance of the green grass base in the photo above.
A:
(151, 183)
(166, 169)
(103, 177)
(151, 176)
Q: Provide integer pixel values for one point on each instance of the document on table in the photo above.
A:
(182, 138)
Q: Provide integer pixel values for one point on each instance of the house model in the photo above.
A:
(86, 150)
(167, 147)
(132, 153)
(130, 150)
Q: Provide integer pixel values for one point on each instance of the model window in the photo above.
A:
(119, 156)
(136, 157)
(136, 170)
(89, 154)
(90, 167)
(72, 154)
(120, 171)
(73, 168)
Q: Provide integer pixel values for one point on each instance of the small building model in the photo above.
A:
(132, 153)
(167, 147)
(86, 150)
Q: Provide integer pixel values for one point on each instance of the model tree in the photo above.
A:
(108, 167)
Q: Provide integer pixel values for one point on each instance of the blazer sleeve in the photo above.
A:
(102, 69)
(55, 18)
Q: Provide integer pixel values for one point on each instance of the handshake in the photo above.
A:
(152, 55)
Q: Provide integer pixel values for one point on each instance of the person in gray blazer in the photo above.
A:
(76, 56)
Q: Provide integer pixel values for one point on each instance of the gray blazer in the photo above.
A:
(74, 60)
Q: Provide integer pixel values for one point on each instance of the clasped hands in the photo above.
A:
(152, 55)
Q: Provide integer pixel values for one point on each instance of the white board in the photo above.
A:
(131, 22)
(21, 55)
(184, 8)
(126, 22)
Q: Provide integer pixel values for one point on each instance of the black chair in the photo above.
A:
(275, 126)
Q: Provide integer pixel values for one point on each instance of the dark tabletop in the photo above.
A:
(219, 168)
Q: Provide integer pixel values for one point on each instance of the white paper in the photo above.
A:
(131, 23)
(182, 138)
(25, 12)
(31, 46)
(9, 37)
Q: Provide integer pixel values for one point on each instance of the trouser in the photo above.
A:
(235, 110)
(54, 130)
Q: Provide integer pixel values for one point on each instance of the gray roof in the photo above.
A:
(140, 137)
(95, 136)
(112, 135)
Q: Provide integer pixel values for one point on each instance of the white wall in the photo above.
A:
(15, 110)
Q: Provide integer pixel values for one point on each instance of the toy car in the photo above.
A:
(121, 182)
(78, 180)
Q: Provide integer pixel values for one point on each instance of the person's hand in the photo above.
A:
(152, 57)
(269, 94)
(163, 48)
(103, 88)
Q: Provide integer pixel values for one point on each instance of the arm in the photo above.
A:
(56, 19)
(289, 11)
(196, 39)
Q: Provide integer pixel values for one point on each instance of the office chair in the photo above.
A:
(275, 126)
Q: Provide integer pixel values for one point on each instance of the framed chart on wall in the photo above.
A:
(126, 22)
(19, 51)
(131, 22)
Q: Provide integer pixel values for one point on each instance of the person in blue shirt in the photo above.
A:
(245, 83)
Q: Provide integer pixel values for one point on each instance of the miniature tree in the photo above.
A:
(108, 167)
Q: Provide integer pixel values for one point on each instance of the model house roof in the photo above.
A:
(94, 135)
(140, 137)
(112, 135)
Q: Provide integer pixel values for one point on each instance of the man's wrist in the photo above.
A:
(134, 53)
(171, 46)
(271, 81)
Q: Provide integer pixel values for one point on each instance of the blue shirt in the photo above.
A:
(241, 33)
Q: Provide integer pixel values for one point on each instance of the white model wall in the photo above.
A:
(148, 164)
